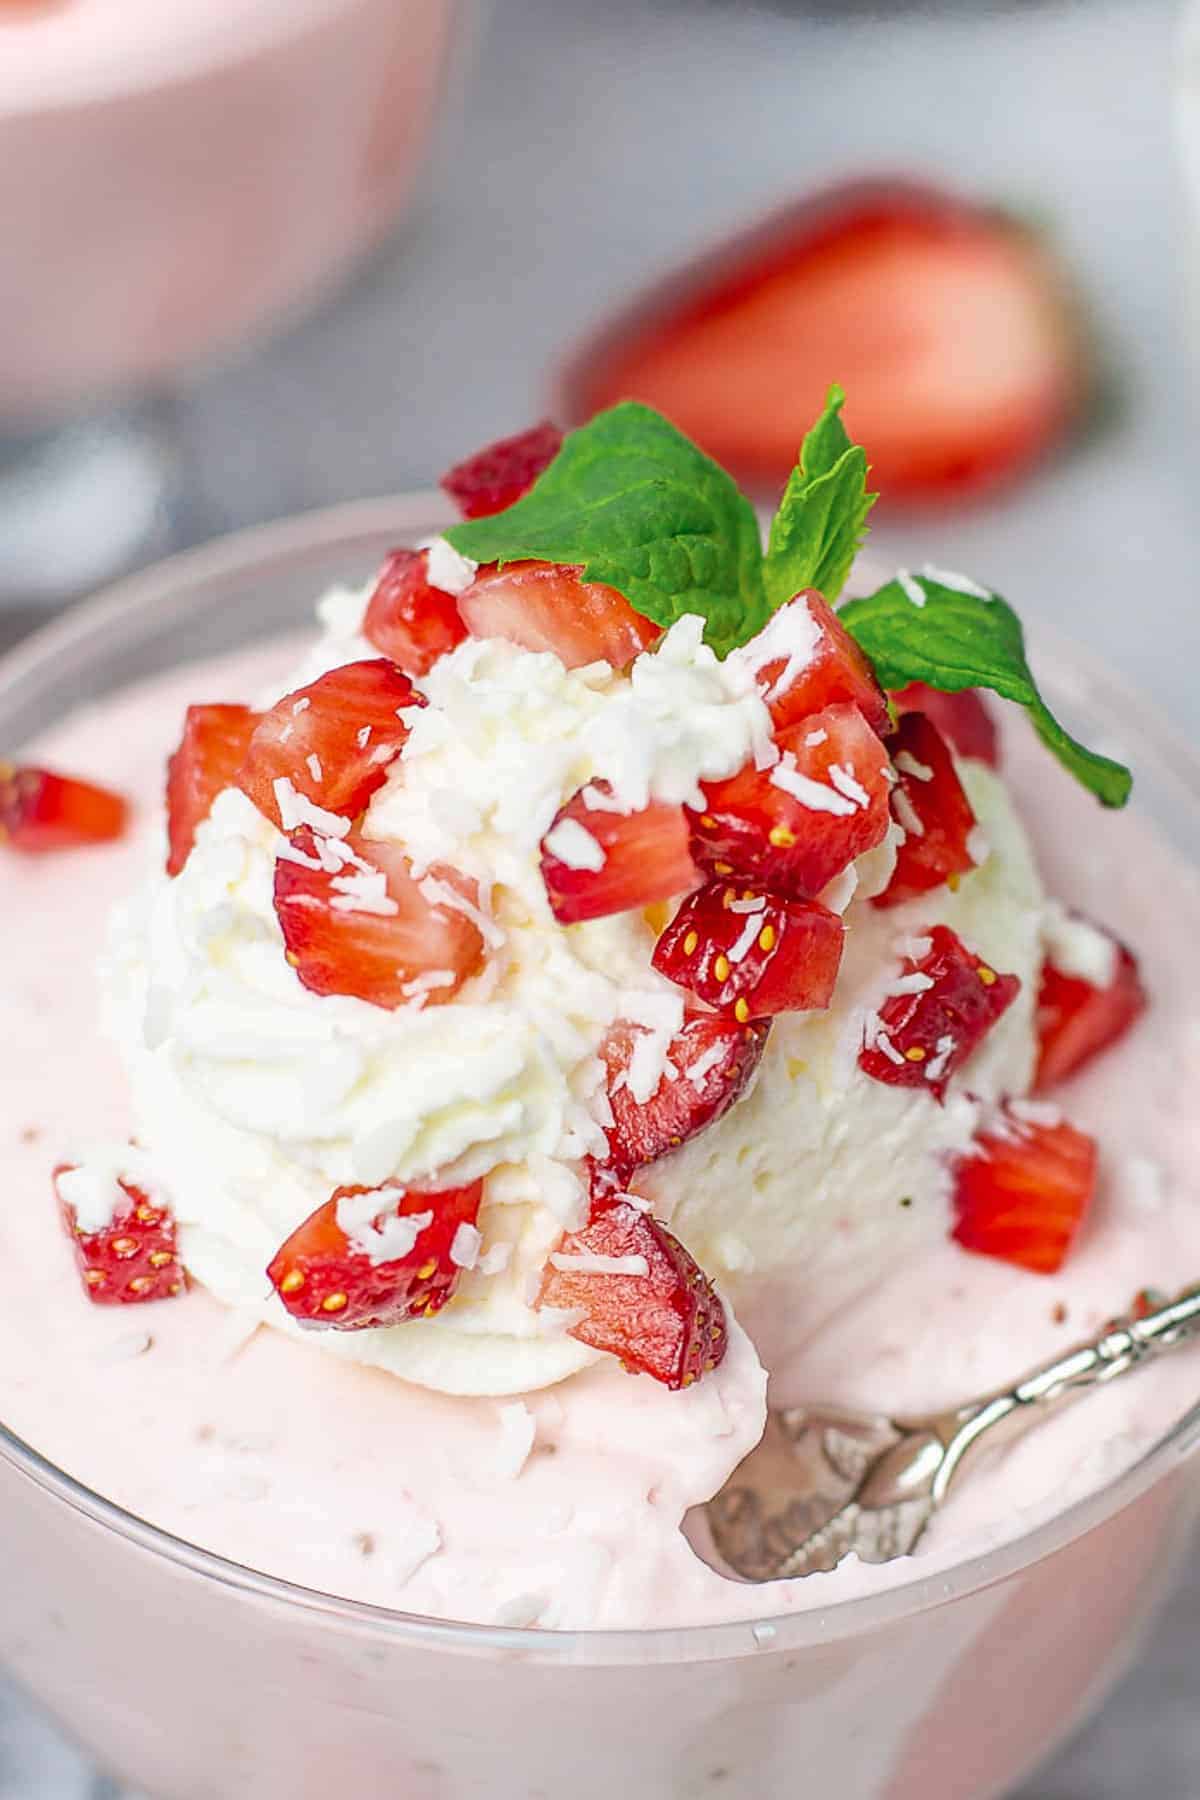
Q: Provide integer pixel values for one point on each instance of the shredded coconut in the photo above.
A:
(911, 586)
(447, 569)
(297, 809)
(585, 1263)
(814, 795)
(961, 584)
(374, 1227)
(907, 813)
(919, 771)
(574, 845)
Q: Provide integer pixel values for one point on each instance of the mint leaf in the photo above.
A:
(955, 638)
(822, 518)
(635, 504)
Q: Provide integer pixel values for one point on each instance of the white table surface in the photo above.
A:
(601, 139)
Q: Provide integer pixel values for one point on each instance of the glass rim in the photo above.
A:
(176, 581)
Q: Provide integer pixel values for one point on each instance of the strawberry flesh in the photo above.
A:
(928, 801)
(714, 1059)
(355, 921)
(1076, 1021)
(752, 954)
(646, 856)
(497, 476)
(131, 1260)
(922, 1038)
(804, 660)
(41, 811)
(1023, 1192)
(408, 620)
(547, 606)
(206, 761)
(666, 1321)
(325, 1279)
(964, 719)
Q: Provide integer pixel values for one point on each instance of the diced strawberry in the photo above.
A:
(41, 811)
(596, 862)
(965, 720)
(207, 761)
(1076, 1021)
(928, 801)
(545, 606)
(332, 741)
(793, 827)
(925, 1032)
(662, 1318)
(714, 1059)
(356, 921)
(1024, 1191)
(407, 618)
(351, 1266)
(804, 659)
(133, 1259)
(751, 953)
(498, 475)
(949, 326)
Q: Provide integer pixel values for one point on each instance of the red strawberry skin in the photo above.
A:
(965, 720)
(408, 620)
(207, 760)
(929, 802)
(41, 811)
(948, 326)
(931, 1033)
(1077, 1021)
(715, 1059)
(545, 606)
(783, 956)
(1023, 1194)
(325, 1281)
(756, 829)
(356, 922)
(835, 672)
(348, 721)
(647, 858)
(497, 476)
(134, 1259)
(668, 1323)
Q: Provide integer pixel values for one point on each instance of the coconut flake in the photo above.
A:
(574, 846)
(815, 796)
(960, 584)
(919, 771)
(906, 813)
(464, 1246)
(584, 1262)
(374, 1227)
(297, 809)
(911, 587)
(844, 781)
(448, 569)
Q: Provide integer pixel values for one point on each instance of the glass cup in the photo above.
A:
(193, 1678)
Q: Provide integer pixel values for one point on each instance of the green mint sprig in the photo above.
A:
(821, 522)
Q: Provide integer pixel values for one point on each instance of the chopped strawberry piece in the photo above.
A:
(964, 719)
(331, 742)
(750, 953)
(356, 921)
(1076, 1021)
(714, 1059)
(546, 606)
(1024, 1191)
(793, 827)
(596, 862)
(928, 801)
(407, 618)
(497, 476)
(662, 1317)
(132, 1259)
(804, 659)
(207, 761)
(376, 1256)
(948, 325)
(925, 1032)
(41, 811)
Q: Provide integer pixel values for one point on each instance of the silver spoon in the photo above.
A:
(822, 1482)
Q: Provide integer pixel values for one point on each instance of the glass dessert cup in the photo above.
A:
(192, 1677)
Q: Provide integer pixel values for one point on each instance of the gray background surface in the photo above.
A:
(597, 140)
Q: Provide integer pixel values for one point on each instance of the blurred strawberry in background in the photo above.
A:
(951, 327)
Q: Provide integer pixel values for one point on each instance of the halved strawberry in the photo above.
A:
(711, 1061)
(947, 324)
(356, 921)
(546, 606)
(793, 827)
(498, 475)
(940, 1010)
(596, 862)
(929, 803)
(804, 659)
(407, 618)
(653, 1306)
(1076, 1021)
(331, 742)
(41, 811)
(752, 953)
(1023, 1193)
(207, 761)
(134, 1258)
(965, 720)
(376, 1256)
